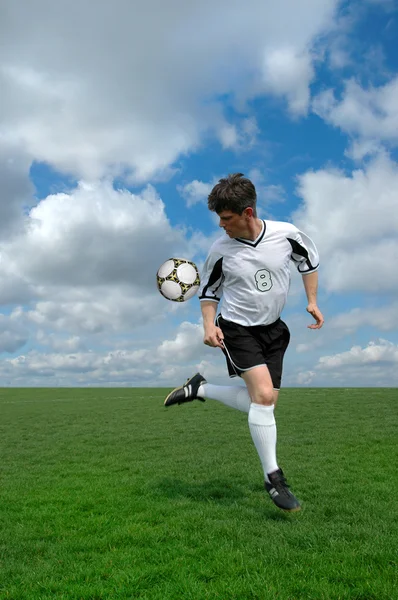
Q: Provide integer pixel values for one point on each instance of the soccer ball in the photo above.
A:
(178, 279)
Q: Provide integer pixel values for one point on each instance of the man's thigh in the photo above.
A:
(259, 385)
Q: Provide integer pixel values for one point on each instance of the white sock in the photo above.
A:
(233, 396)
(263, 431)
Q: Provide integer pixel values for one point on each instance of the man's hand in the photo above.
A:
(214, 337)
(316, 313)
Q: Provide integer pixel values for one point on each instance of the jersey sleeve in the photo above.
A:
(212, 278)
(304, 252)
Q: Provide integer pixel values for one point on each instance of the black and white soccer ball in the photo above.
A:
(178, 279)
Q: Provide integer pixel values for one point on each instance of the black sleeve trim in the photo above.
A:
(215, 276)
(299, 250)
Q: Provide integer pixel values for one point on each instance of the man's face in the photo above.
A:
(234, 225)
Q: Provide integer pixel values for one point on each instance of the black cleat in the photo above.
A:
(279, 491)
(186, 392)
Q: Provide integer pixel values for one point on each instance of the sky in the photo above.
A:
(117, 118)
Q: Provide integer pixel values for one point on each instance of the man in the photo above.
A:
(248, 270)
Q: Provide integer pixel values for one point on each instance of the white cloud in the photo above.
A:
(241, 136)
(339, 57)
(384, 318)
(305, 378)
(371, 114)
(288, 73)
(309, 347)
(99, 309)
(267, 193)
(382, 351)
(195, 191)
(342, 327)
(94, 235)
(16, 189)
(186, 346)
(86, 261)
(374, 365)
(72, 362)
(354, 221)
(274, 193)
(228, 135)
(148, 95)
(361, 148)
(60, 343)
(13, 335)
(14, 287)
(82, 274)
(70, 367)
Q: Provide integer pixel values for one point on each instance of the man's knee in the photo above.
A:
(264, 395)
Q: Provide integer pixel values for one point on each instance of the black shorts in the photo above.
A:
(248, 347)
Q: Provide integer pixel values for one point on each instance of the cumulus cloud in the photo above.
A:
(370, 114)
(384, 318)
(288, 73)
(305, 378)
(309, 347)
(97, 310)
(14, 287)
(132, 104)
(95, 235)
(16, 189)
(354, 220)
(239, 137)
(68, 361)
(382, 351)
(339, 327)
(77, 367)
(187, 344)
(13, 335)
(267, 193)
(362, 148)
(60, 343)
(339, 56)
(195, 191)
(86, 261)
(372, 365)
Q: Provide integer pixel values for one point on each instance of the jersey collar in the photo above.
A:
(255, 242)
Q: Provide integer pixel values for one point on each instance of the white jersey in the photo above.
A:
(252, 278)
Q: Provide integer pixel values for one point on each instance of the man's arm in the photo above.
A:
(213, 336)
(311, 288)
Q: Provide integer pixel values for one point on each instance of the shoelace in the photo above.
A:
(281, 485)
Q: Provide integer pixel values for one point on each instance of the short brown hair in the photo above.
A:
(234, 193)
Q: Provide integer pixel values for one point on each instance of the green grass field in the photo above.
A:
(105, 494)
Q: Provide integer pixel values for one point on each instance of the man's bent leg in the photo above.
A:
(197, 388)
(233, 396)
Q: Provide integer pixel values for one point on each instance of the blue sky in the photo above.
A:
(108, 151)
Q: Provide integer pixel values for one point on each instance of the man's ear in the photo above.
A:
(248, 212)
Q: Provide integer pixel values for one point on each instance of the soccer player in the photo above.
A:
(247, 270)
